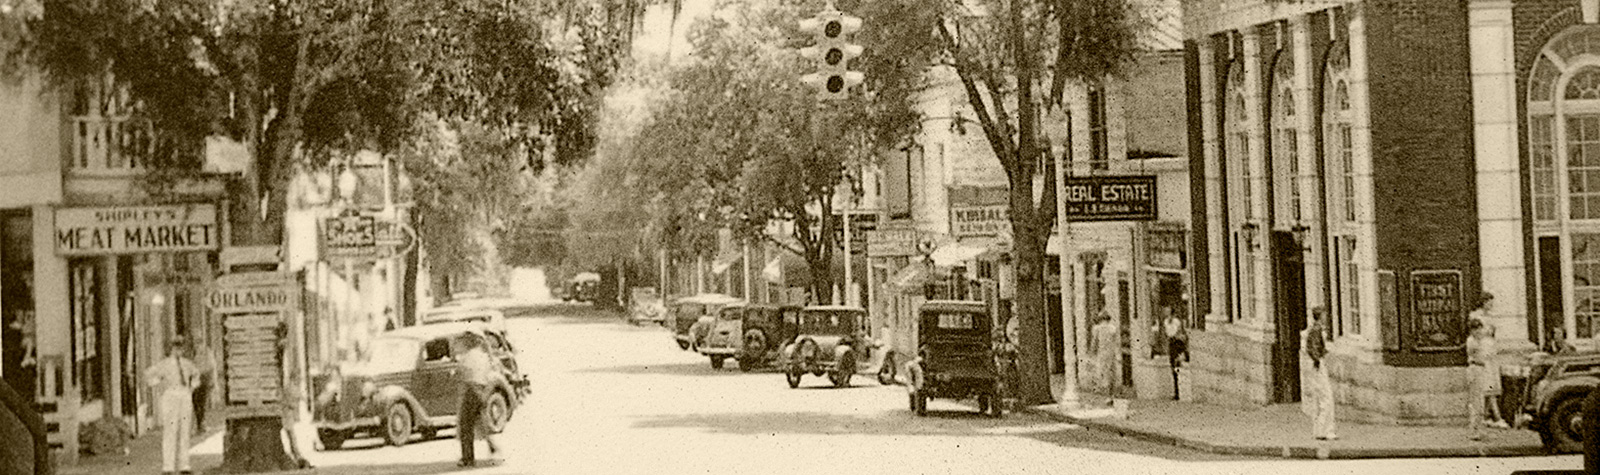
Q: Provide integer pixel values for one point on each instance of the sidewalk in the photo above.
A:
(143, 457)
(1283, 431)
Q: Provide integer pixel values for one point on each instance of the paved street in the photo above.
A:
(615, 399)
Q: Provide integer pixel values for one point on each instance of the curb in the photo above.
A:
(1289, 451)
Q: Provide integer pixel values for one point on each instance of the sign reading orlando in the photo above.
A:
(1110, 198)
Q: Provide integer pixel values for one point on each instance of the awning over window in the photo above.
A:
(910, 277)
(956, 253)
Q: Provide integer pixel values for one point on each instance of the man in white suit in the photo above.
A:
(174, 379)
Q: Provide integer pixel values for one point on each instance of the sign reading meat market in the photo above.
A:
(1110, 198)
(136, 229)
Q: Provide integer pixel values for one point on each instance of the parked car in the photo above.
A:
(956, 359)
(690, 317)
(1553, 403)
(834, 340)
(408, 384)
(582, 287)
(752, 334)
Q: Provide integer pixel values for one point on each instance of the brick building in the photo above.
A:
(1358, 156)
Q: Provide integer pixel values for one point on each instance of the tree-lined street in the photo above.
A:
(618, 399)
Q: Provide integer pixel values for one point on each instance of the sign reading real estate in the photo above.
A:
(136, 229)
(1110, 198)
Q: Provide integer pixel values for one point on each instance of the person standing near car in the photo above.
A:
(174, 379)
(476, 376)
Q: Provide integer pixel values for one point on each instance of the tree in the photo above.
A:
(305, 81)
(740, 143)
(1015, 60)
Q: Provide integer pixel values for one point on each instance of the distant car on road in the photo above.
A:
(834, 340)
(408, 384)
(582, 287)
(957, 357)
(690, 317)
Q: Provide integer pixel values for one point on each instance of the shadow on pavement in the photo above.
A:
(892, 422)
(698, 368)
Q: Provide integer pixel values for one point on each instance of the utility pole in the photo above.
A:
(1069, 346)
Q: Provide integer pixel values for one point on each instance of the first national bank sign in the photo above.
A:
(136, 229)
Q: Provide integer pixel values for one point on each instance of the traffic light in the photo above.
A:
(832, 52)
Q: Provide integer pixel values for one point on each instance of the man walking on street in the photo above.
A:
(476, 376)
(174, 379)
(1319, 404)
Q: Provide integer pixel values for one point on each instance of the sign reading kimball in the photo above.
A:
(985, 220)
(136, 229)
(1110, 198)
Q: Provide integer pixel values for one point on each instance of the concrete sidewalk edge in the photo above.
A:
(1286, 451)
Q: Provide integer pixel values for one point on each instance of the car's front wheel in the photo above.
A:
(842, 373)
(1564, 428)
(717, 360)
(794, 378)
(496, 411)
(397, 425)
(919, 401)
(332, 439)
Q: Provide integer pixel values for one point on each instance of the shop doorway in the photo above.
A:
(1289, 277)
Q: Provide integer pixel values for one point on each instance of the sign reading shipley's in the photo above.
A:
(136, 229)
(1110, 198)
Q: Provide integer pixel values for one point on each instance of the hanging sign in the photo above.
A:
(136, 229)
(1110, 198)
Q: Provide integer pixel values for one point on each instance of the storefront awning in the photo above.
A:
(955, 253)
(910, 277)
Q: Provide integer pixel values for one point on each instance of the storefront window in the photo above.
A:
(18, 324)
(1242, 171)
(84, 286)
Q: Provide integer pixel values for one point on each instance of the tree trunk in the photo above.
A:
(408, 279)
(1034, 358)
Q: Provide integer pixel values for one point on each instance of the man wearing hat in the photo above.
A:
(174, 379)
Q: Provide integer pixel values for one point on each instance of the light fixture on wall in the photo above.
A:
(1248, 232)
(1299, 231)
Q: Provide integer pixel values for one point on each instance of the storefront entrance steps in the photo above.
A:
(1281, 430)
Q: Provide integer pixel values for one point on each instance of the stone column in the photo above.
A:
(1500, 247)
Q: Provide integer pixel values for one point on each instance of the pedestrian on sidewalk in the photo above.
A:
(1483, 408)
(205, 365)
(1177, 337)
(476, 378)
(1319, 398)
(174, 379)
(1105, 346)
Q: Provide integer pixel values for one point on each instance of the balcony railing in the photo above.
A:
(110, 145)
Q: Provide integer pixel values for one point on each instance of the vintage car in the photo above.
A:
(690, 317)
(956, 359)
(1552, 404)
(645, 306)
(581, 287)
(751, 334)
(834, 340)
(408, 384)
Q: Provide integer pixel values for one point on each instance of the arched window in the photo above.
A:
(1339, 150)
(1241, 174)
(1563, 127)
(1286, 139)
